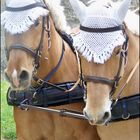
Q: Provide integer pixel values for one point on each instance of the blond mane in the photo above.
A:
(57, 13)
(132, 22)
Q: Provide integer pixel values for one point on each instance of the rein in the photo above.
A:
(125, 84)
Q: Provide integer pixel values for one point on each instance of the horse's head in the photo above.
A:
(24, 22)
(100, 33)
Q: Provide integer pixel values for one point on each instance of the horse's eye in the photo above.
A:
(36, 23)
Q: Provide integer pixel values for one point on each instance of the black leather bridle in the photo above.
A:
(36, 54)
(113, 83)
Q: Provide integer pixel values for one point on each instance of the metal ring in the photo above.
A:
(127, 117)
(34, 95)
(9, 95)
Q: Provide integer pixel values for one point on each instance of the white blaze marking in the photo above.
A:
(15, 78)
(14, 74)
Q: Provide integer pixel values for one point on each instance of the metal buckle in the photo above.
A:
(34, 98)
(34, 95)
(115, 84)
(123, 53)
(21, 106)
(39, 53)
(40, 82)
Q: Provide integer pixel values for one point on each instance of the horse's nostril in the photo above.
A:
(24, 75)
(106, 115)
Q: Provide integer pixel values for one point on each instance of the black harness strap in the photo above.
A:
(126, 108)
(47, 96)
(67, 38)
(102, 30)
(53, 71)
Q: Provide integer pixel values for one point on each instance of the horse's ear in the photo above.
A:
(79, 9)
(123, 8)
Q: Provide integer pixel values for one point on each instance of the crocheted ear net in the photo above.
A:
(98, 47)
(20, 21)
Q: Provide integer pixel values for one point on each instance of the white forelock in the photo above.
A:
(57, 12)
(132, 22)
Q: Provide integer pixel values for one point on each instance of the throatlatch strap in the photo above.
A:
(126, 108)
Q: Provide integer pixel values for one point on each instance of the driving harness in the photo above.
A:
(48, 94)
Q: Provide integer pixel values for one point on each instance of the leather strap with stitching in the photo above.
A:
(96, 79)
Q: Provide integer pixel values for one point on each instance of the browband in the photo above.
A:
(16, 9)
(102, 30)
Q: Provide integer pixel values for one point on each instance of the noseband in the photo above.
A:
(113, 83)
(36, 54)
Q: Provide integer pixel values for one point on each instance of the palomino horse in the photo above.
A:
(98, 100)
(27, 32)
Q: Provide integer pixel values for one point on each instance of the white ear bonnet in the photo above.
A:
(98, 47)
(20, 21)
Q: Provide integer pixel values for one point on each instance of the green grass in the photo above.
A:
(7, 119)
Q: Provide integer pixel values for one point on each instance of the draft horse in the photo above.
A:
(34, 49)
(98, 74)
